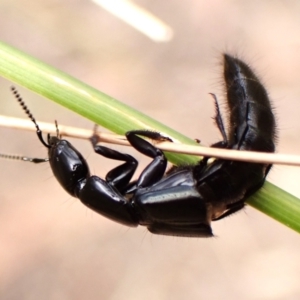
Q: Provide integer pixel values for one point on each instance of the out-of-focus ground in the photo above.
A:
(51, 246)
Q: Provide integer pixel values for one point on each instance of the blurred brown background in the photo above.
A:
(51, 246)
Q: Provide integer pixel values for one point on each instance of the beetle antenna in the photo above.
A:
(29, 114)
(24, 158)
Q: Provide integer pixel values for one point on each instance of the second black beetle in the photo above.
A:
(186, 200)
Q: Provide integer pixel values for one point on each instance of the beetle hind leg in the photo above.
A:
(232, 208)
(220, 124)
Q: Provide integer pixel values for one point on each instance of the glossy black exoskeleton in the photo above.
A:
(186, 200)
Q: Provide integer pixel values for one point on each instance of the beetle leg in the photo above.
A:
(156, 169)
(120, 176)
(232, 208)
(219, 122)
(153, 135)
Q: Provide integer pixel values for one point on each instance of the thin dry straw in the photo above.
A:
(66, 131)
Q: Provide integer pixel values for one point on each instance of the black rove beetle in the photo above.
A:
(184, 201)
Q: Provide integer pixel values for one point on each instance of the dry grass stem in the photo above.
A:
(67, 131)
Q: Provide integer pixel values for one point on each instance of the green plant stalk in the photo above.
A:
(119, 118)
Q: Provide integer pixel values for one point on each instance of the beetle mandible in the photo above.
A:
(182, 202)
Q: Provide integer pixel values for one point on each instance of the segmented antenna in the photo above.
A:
(29, 114)
(24, 158)
(25, 108)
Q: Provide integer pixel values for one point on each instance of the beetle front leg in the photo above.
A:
(156, 169)
(120, 176)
